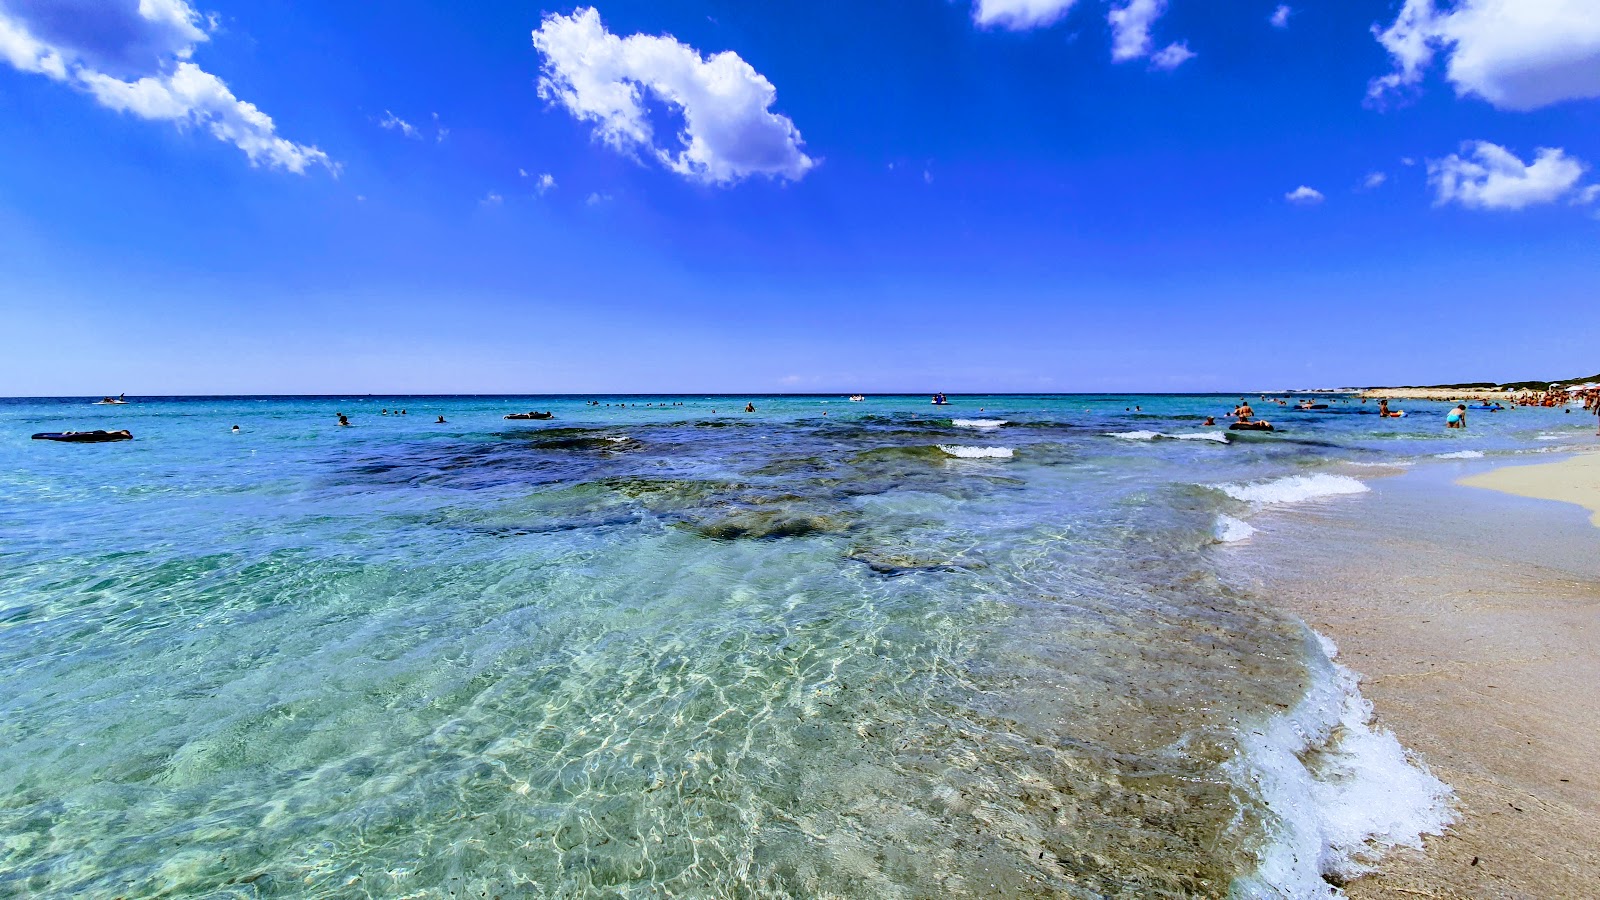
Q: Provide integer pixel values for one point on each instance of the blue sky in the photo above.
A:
(242, 197)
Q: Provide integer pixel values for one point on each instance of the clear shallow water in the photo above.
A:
(686, 650)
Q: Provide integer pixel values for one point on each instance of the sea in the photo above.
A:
(660, 646)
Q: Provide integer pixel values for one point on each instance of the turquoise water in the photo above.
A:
(657, 650)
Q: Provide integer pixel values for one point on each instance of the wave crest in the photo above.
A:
(1294, 489)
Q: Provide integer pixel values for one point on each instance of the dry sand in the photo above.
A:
(1474, 619)
(1404, 393)
(1575, 480)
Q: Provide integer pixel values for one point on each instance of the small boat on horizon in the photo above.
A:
(940, 400)
(857, 398)
(108, 401)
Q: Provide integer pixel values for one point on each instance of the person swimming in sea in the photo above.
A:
(1457, 417)
(235, 429)
(749, 407)
(343, 422)
(1211, 420)
(1243, 412)
(441, 421)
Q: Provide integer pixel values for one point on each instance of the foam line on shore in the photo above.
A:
(1293, 489)
(1229, 530)
(1337, 791)
(1220, 437)
(978, 452)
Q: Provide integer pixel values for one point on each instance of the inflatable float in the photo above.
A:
(84, 437)
(532, 415)
(1251, 426)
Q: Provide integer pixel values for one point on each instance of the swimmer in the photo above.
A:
(441, 421)
(1243, 412)
(749, 407)
(343, 422)
(1210, 420)
(1457, 417)
(1383, 408)
(235, 429)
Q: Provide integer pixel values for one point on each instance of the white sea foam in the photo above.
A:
(1230, 530)
(1391, 464)
(1220, 437)
(1550, 437)
(1337, 792)
(1294, 489)
(977, 423)
(978, 452)
(1460, 454)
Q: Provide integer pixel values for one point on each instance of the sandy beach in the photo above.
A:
(1475, 634)
(1575, 480)
(1419, 393)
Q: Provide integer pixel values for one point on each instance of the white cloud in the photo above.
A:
(522, 173)
(134, 56)
(1130, 35)
(545, 184)
(492, 199)
(729, 130)
(393, 122)
(595, 199)
(1586, 195)
(1020, 15)
(1280, 17)
(1374, 179)
(1304, 196)
(1516, 54)
(1130, 28)
(439, 131)
(1489, 176)
(1172, 57)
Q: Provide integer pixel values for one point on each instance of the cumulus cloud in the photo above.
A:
(1488, 176)
(1304, 196)
(1280, 17)
(729, 129)
(1130, 34)
(545, 184)
(1019, 15)
(1374, 179)
(1516, 54)
(134, 56)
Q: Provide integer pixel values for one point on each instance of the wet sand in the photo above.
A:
(1474, 618)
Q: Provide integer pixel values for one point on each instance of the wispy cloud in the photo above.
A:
(393, 122)
(1280, 16)
(1304, 196)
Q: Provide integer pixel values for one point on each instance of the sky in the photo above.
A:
(244, 196)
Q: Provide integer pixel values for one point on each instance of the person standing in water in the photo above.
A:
(1243, 412)
(1457, 417)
